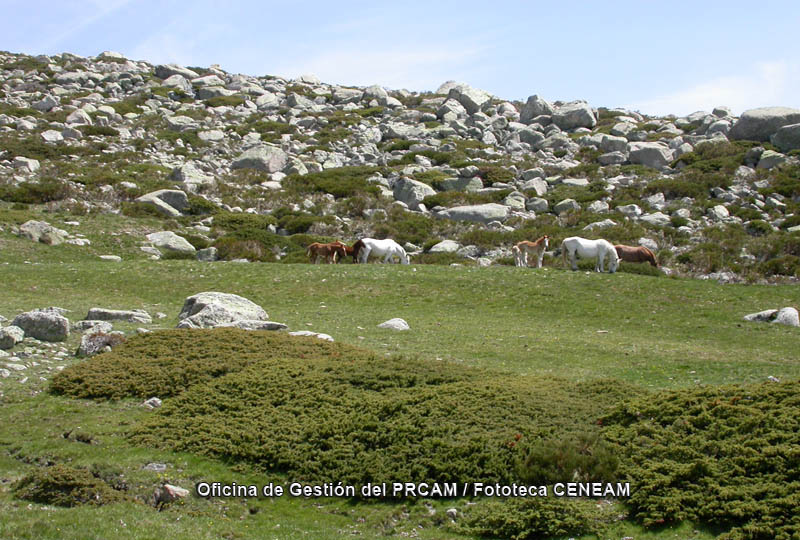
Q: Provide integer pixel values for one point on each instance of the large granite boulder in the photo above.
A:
(650, 154)
(43, 324)
(170, 241)
(535, 106)
(760, 124)
(41, 231)
(412, 192)
(787, 138)
(212, 309)
(263, 158)
(170, 202)
(471, 98)
(573, 115)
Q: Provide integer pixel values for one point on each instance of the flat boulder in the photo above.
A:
(43, 324)
(211, 309)
(134, 315)
(480, 213)
(247, 324)
(761, 123)
(165, 71)
(445, 246)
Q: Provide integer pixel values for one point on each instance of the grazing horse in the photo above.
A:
(636, 254)
(387, 248)
(522, 249)
(584, 248)
(329, 251)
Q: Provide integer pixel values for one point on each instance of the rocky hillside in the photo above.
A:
(246, 167)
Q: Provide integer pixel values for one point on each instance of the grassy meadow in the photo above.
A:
(637, 333)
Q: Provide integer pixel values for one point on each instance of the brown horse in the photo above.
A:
(347, 250)
(636, 254)
(356, 250)
(522, 249)
(329, 251)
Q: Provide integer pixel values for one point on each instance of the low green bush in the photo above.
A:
(30, 192)
(457, 198)
(785, 265)
(339, 182)
(721, 455)
(357, 418)
(61, 485)
(100, 131)
(531, 518)
(234, 221)
(224, 101)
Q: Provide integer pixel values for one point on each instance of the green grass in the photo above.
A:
(524, 326)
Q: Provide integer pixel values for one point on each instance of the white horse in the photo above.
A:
(388, 249)
(584, 248)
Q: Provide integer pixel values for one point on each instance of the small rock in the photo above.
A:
(10, 336)
(326, 337)
(395, 324)
(152, 403)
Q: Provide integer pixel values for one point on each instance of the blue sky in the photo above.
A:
(658, 57)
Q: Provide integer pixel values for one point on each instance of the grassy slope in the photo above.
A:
(524, 321)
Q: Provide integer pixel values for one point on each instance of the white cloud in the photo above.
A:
(423, 67)
(774, 83)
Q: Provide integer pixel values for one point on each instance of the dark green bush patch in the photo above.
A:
(339, 182)
(100, 131)
(727, 455)
(61, 485)
(164, 363)
(30, 192)
(364, 419)
(531, 518)
(327, 411)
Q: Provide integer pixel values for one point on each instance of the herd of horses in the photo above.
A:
(360, 251)
(572, 248)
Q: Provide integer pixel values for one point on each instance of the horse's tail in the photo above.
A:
(564, 251)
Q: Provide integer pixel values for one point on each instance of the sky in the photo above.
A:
(656, 57)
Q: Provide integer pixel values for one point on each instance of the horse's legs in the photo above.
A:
(539, 262)
(365, 253)
(573, 259)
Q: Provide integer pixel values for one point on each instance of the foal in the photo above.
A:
(525, 248)
(329, 251)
